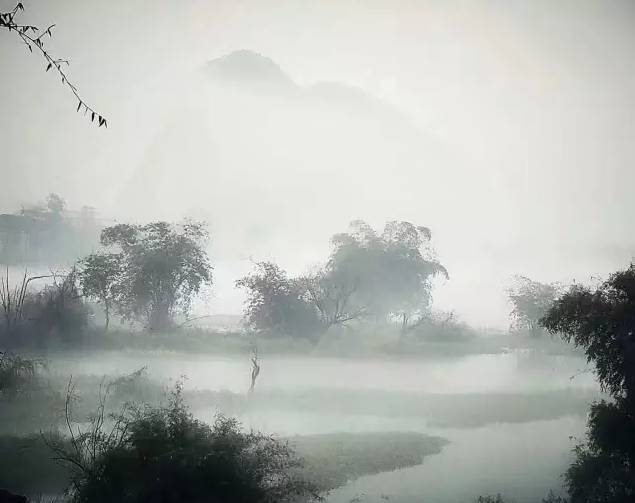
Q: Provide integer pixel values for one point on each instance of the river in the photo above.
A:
(522, 459)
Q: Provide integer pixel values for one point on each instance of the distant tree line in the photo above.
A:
(47, 233)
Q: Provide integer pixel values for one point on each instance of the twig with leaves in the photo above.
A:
(33, 37)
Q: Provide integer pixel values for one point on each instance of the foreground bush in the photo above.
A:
(164, 455)
(601, 321)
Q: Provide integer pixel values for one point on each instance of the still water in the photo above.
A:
(522, 460)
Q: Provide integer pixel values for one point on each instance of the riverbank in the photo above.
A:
(330, 461)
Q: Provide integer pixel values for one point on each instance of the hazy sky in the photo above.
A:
(515, 144)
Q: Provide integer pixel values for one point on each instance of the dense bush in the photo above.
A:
(55, 312)
(165, 455)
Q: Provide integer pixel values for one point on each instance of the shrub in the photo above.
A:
(165, 455)
(56, 311)
(17, 374)
(27, 403)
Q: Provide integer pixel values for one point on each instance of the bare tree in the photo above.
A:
(332, 299)
(33, 37)
(255, 368)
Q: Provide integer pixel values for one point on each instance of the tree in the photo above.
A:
(99, 278)
(366, 275)
(33, 38)
(278, 305)
(165, 455)
(332, 299)
(602, 322)
(55, 203)
(530, 301)
(391, 271)
(162, 267)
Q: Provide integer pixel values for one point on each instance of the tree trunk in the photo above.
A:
(160, 318)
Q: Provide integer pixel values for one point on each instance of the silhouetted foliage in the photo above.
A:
(160, 267)
(165, 455)
(33, 38)
(530, 302)
(602, 322)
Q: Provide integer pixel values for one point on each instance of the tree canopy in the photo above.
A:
(159, 266)
(277, 304)
(367, 275)
(602, 322)
(390, 272)
(100, 278)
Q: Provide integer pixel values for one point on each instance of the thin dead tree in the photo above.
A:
(255, 368)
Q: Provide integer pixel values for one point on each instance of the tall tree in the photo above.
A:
(391, 271)
(602, 322)
(163, 267)
(100, 278)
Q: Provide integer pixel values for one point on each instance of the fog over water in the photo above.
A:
(520, 457)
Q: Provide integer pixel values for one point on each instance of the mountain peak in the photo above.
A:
(249, 68)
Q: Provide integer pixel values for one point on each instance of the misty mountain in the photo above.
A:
(249, 69)
(330, 151)
(258, 73)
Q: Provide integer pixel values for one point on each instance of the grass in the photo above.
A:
(332, 460)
